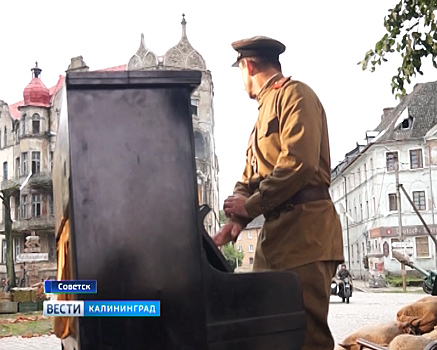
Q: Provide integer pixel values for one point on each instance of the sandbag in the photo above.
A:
(431, 335)
(381, 334)
(420, 317)
(409, 342)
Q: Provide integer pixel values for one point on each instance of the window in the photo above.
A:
(416, 161)
(361, 212)
(393, 202)
(249, 234)
(407, 123)
(352, 253)
(17, 131)
(422, 247)
(17, 167)
(363, 249)
(24, 163)
(251, 261)
(36, 162)
(391, 160)
(359, 177)
(36, 205)
(5, 170)
(371, 166)
(199, 145)
(365, 172)
(358, 252)
(194, 106)
(17, 207)
(5, 137)
(35, 123)
(4, 251)
(51, 207)
(17, 247)
(250, 247)
(367, 210)
(419, 200)
(51, 161)
(24, 125)
(240, 248)
(24, 210)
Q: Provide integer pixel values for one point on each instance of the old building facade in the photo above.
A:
(27, 139)
(28, 134)
(184, 57)
(365, 193)
(246, 243)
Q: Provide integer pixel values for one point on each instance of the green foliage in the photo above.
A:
(396, 281)
(232, 255)
(222, 217)
(411, 31)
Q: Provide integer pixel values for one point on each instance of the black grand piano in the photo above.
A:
(127, 215)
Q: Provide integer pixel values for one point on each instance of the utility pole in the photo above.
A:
(401, 235)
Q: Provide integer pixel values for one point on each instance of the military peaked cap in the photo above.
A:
(258, 46)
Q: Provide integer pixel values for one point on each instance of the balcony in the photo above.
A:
(32, 224)
(41, 223)
(10, 184)
(41, 181)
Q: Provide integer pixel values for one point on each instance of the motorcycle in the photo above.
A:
(344, 292)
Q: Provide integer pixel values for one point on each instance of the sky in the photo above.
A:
(325, 40)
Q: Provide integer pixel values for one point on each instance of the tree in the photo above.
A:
(5, 196)
(232, 255)
(411, 31)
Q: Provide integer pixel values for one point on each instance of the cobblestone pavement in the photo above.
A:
(366, 309)
(363, 309)
(37, 343)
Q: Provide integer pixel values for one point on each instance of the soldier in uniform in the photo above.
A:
(286, 179)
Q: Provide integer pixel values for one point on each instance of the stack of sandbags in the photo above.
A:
(415, 328)
(419, 317)
(381, 334)
(409, 342)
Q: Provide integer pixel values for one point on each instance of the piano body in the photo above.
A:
(127, 215)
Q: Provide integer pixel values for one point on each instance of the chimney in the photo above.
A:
(77, 65)
(386, 111)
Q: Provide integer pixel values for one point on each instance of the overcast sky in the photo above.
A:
(324, 40)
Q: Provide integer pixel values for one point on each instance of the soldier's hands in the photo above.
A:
(229, 232)
(235, 205)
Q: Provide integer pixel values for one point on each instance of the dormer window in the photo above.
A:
(35, 124)
(407, 123)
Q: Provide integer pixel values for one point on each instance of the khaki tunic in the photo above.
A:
(288, 150)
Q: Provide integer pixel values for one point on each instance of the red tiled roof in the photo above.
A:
(13, 108)
(113, 69)
(36, 94)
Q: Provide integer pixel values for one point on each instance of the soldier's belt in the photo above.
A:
(307, 194)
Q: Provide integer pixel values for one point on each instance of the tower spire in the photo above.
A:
(184, 26)
(36, 72)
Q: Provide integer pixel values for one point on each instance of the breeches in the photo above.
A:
(315, 279)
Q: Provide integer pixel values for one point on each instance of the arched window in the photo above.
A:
(17, 131)
(24, 124)
(35, 123)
